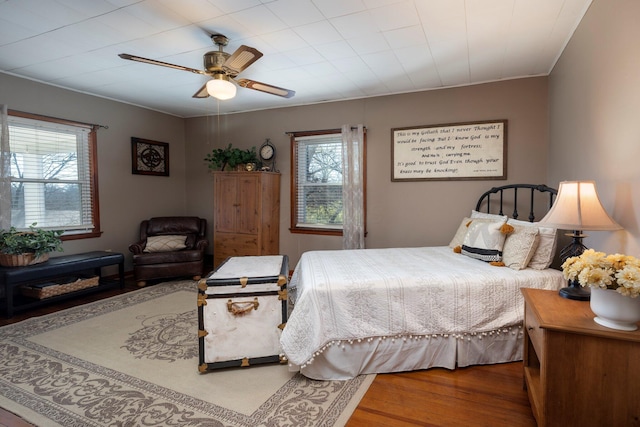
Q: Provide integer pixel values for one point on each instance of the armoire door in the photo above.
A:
(248, 204)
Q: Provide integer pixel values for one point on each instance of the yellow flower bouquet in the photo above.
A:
(597, 269)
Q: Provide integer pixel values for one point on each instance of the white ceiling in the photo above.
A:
(325, 50)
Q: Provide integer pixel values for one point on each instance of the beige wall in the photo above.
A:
(594, 104)
(125, 199)
(399, 213)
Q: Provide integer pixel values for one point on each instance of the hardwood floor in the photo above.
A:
(475, 396)
(491, 395)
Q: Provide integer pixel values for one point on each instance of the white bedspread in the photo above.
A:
(401, 293)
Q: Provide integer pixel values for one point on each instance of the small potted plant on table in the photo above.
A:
(20, 248)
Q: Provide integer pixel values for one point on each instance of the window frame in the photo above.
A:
(92, 145)
(294, 228)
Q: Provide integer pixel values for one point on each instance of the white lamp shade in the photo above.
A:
(221, 89)
(577, 207)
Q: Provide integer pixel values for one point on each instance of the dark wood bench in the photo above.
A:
(55, 267)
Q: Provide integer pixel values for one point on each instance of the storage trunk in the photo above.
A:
(242, 309)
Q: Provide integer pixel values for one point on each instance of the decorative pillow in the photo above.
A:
(520, 246)
(165, 243)
(476, 214)
(546, 250)
(484, 241)
(458, 238)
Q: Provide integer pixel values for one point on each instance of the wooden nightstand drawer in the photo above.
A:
(535, 332)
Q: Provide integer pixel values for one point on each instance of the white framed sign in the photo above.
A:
(457, 151)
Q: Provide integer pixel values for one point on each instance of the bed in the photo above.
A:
(402, 309)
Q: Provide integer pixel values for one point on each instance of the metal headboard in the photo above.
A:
(514, 188)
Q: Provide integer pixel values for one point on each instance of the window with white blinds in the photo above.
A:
(52, 182)
(318, 181)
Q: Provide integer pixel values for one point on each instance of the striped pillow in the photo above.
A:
(484, 241)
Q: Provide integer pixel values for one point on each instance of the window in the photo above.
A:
(53, 175)
(316, 206)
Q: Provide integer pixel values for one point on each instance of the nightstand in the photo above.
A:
(576, 372)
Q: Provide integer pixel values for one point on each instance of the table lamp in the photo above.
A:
(577, 208)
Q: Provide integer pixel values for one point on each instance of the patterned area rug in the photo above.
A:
(131, 360)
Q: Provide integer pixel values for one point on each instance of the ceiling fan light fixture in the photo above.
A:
(223, 68)
(221, 88)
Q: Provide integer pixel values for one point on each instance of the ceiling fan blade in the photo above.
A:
(163, 64)
(202, 92)
(240, 60)
(266, 88)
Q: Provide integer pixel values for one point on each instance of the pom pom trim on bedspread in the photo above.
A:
(512, 330)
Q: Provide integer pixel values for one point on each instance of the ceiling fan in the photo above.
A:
(223, 67)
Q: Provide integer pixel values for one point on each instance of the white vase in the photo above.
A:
(614, 310)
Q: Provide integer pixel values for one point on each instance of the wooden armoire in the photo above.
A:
(246, 218)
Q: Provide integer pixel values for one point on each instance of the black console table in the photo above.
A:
(12, 277)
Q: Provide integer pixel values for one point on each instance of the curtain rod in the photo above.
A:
(364, 128)
(59, 120)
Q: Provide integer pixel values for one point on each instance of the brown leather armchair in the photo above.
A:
(163, 253)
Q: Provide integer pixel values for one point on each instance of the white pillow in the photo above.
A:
(165, 243)
(546, 250)
(476, 214)
(484, 241)
(519, 247)
(458, 238)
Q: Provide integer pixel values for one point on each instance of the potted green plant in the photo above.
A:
(246, 159)
(19, 248)
(230, 156)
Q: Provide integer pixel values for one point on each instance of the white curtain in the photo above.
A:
(5, 171)
(353, 187)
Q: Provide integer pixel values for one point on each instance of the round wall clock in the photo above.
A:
(267, 151)
(267, 154)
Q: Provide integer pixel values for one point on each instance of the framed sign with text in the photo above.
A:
(149, 157)
(457, 151)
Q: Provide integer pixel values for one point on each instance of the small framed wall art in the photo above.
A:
(149, 157)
